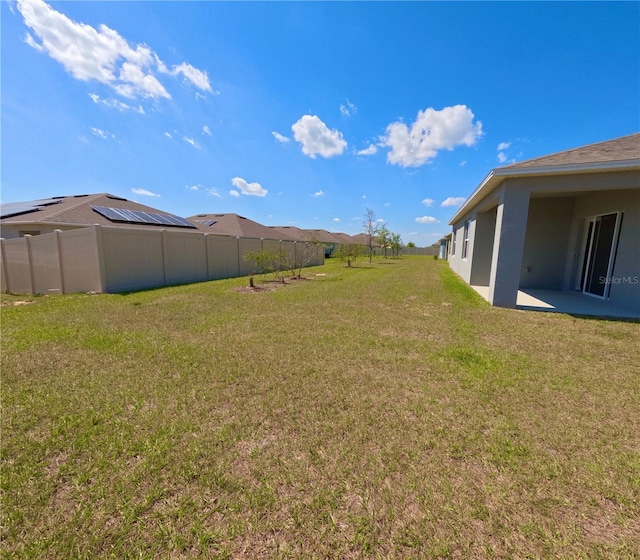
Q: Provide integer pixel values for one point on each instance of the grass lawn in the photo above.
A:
(384, 411)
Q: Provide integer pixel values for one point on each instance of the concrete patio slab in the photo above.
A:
(572, 303)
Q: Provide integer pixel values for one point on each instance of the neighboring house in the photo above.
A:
(364, 238)
(331, 240)
(567, 222)
(37, 217)
(345, 239)
(237, 226)
(290, 232)
(444, 248)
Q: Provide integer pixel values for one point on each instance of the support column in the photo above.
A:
(508, 247)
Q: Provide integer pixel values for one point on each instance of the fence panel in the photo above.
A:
(222, 257)
(45, 262)
(15, 261)
(116, 259)
(80, 260)
(185, 257)
(248, 245)
(133, 258)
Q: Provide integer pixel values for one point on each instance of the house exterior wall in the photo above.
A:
(546, 243)
(625, 286)
(534, 240)
(13, 231)
(462, 266)
(483, 247)
(508, 244)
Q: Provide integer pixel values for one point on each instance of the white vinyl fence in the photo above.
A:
(119, 259)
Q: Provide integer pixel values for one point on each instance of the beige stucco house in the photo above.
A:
(560, 232)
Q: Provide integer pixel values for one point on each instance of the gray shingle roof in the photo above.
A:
(238, 226)
(619, 154)
(619, 149)
(76, 210)
(289, 232)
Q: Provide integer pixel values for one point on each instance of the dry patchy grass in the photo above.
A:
(373, 412)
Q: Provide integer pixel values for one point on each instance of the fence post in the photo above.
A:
(163, 246)
(206, 253)
(5, 266)
(27, 239)
(56, 236)
(238, 255)
(103, 265)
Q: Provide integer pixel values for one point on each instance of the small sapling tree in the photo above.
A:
(350, 252)
(370, 227)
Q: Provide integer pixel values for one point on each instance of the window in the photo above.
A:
(465, 240)
(453, 241)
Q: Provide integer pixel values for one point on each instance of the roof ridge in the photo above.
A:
(82, 199)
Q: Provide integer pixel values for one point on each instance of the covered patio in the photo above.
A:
(569, 302)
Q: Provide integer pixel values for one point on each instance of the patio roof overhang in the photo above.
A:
(496, 176)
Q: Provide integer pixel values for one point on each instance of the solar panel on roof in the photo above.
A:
(17, 208)
(140, 217)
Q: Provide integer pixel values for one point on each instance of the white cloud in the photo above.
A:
(317, 139)
(193, 187)
(453, 201)
(104, 134)
(206, 130)
(168, 135)
(214, 192)
(198, 78)
(368, 151)
(191, 141)
(432, 131)
(428, 201)
(502, 157)
(116, 104)
(427, 220)
(280, 138)
(144, 192)
(318, 193)
(348, 109)
(503, 146)
(336, 219)
(101, 54)
(234, 193)
(248, 189)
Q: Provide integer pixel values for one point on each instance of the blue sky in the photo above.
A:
(306, 114)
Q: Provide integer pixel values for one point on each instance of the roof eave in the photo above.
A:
(496, 176)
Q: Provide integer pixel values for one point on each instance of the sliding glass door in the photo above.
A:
(600, 244)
